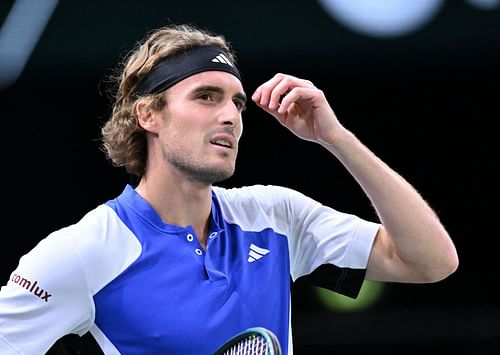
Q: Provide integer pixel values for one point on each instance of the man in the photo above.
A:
(176, 265)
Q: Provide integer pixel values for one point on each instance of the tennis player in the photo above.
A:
(177, 265)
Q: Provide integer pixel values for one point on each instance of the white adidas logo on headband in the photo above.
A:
(221, 58)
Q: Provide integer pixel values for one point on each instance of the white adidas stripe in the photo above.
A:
(221, 58)
(254, 255)
(225, 59)
(258, 249)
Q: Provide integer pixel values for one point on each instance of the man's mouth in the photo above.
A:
(222, 143)
(223, 140)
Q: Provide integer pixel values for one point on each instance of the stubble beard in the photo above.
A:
(198, 172)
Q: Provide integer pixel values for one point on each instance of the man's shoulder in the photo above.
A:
(93, 237)
(103, 245)
(93, 221)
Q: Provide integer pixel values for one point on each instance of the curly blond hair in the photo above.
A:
(123, 139)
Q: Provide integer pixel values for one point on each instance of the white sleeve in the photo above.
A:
(319, 235)
(45, 298)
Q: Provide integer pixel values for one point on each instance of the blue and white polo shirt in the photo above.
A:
(141, 286)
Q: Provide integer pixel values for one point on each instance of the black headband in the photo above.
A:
(172, 69)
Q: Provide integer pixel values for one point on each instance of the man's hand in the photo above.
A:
(300, 106)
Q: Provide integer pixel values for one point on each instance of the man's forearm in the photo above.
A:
(414, 231)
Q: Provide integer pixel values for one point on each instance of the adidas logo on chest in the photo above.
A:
(256, 253)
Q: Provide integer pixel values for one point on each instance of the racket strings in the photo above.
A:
(251, 345)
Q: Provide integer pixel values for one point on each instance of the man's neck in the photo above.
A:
(181, 203)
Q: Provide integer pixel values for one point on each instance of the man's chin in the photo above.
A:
(204, 173)
(211, 176)
(222, 175)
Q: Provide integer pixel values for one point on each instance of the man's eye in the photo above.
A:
(206, 97)
(240, 105)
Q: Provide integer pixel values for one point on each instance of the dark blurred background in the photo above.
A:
(416, 81)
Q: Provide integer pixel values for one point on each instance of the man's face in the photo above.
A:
(202, 126)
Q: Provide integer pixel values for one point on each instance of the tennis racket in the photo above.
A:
(253, 341)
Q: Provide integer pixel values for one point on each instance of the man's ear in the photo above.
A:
(147, 118)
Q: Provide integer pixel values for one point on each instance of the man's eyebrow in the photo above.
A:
(210, 88)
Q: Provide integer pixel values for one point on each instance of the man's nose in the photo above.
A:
(231, 115)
